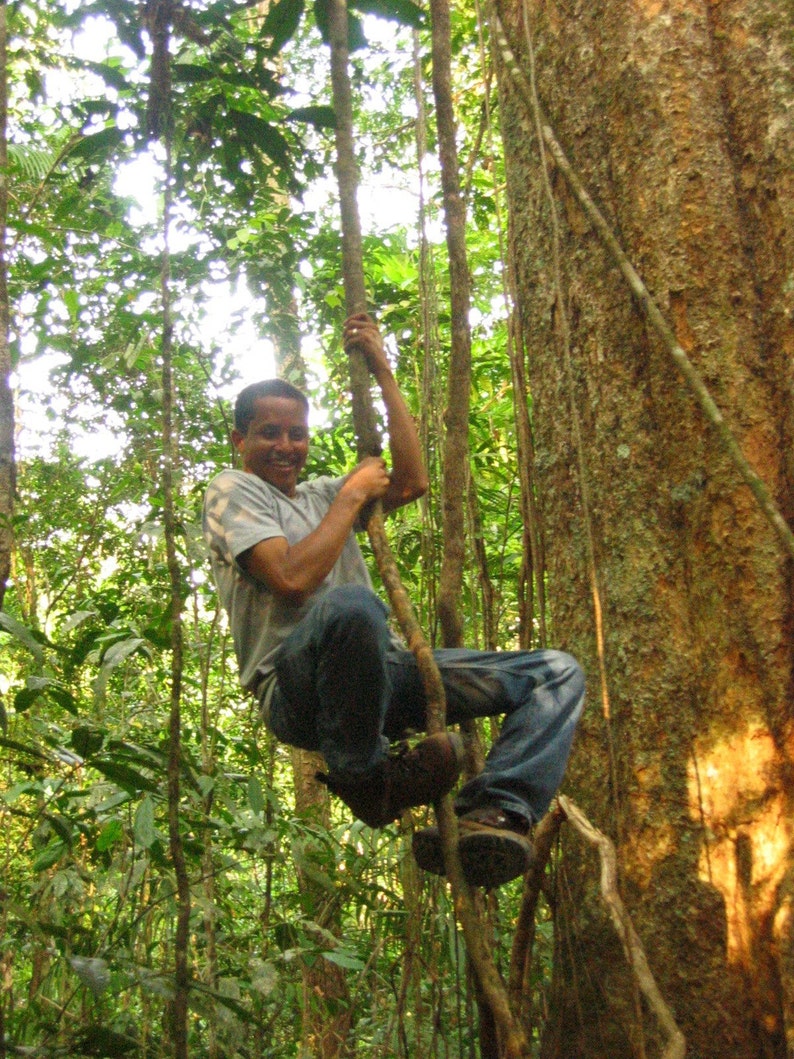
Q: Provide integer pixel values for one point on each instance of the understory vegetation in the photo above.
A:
(89, 898)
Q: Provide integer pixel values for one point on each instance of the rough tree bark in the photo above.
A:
(676, 117)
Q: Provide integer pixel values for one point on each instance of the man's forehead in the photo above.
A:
(280, 408)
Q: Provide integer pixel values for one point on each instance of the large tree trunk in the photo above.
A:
(678, 120)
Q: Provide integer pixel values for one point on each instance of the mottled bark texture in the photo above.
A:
(678, 118)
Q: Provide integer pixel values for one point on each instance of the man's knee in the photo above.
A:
(352, 607)
(567, 672)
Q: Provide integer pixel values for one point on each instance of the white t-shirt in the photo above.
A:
(240, 510)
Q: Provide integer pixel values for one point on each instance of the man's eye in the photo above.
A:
(299, 434)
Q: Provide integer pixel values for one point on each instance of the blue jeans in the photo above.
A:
(345, 689)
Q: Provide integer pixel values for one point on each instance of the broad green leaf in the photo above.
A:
(92, 971)
(320, 117)
(25, 698)
(87, 741)
(111, 74)
(19, 632)
(256, 798)
(281, 22)
(61, 826)
(101, 1040)
(118, 652)
(259, 133)
(99, 146)
(37, 686)
(191, 73)
(50, 855)
(109, 835)
(145, 833)
(76, 619)
(126, 777)
(344, 959)
(71, 299)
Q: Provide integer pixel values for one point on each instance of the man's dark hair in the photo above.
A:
(244, 405)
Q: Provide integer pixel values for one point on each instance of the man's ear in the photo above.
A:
(237, 438)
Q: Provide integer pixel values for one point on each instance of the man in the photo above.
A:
(313, 642)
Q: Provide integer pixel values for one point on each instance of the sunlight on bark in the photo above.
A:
(736, 790)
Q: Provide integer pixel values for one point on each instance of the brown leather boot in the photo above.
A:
(411, 776)
(493, 846)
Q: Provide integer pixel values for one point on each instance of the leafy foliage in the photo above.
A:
(89, 897)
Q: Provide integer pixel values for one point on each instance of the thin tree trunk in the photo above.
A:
(456, 442)
(161, 126)
(7, 464)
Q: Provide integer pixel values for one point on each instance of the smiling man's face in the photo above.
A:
(276, 444)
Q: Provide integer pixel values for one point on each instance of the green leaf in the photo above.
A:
(71, 299)
(50, 855)
(257, 132)
(61, 826)
(24, 635)
(24, 748)
(191, 73)
(256, 798)
(281, 22)
(320, 117)
(86, 740)
(92, 971)
(63, 697)
(111, 75)
(109, 835)
(104, 1042)
(99, 146)
(344, 959)
(36, 686)
(120, 651)
(129, 779)
(145, 833)
(25, 698)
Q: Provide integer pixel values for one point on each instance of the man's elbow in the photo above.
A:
(289, 591)
(413, 489)
(420, 487)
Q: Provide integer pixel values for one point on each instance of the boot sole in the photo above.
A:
(489, 857)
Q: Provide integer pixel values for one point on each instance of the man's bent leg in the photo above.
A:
(332, 685)
(542, 695)
(331, 695)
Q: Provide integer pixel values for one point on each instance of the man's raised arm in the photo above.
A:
(408, 474)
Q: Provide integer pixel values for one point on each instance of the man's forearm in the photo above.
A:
(295, 571)
(409, 477)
